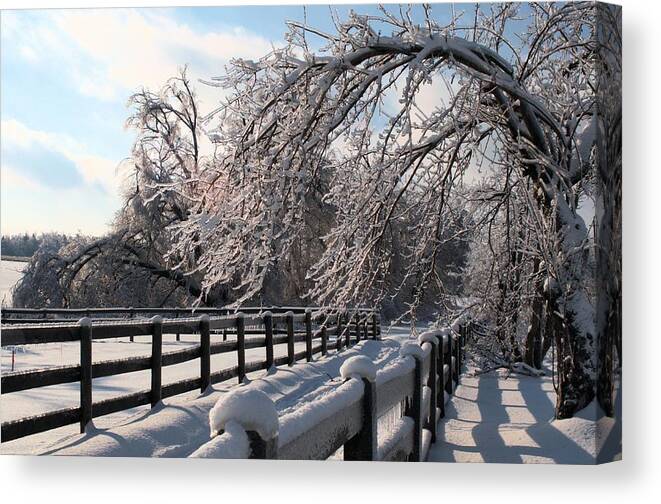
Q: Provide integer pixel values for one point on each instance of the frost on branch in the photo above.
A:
(496, 163)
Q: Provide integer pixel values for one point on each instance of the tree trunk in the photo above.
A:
(568, 299)
(608, 211)
(533, 353)
(575, 353)
(548, 338)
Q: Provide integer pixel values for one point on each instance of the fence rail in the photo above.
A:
(277, 326)
(59, 315)
(419, 380)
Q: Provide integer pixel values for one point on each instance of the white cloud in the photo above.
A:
(92, 169)
(29, 54)
(111, 53)
(12, 178)
(107, 54)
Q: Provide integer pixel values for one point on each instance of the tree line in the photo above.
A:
(25, 245)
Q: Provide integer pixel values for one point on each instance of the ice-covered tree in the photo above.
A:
(330, 157)
(299, 117)
(132, 265)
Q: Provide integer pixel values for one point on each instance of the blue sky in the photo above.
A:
(66, 76)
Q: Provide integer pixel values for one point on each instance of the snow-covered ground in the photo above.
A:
(493, 417)
(180, 426)
(10, 273)
(41, 400)
(497, 417)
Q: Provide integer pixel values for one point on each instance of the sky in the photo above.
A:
(66, 76)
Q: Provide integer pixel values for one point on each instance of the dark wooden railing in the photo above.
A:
(277, 326)
(419, 381)
(55, 315)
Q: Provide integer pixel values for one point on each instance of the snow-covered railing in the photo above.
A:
(314, 328)
(55, 315)
(244, 423)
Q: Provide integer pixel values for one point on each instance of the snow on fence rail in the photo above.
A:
(348, 327)
(54, 315)
(244, 423)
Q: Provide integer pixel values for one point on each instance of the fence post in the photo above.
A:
(239, 406)
(374, 324)
(440, 371)
(338, 332)
(261, 449)
(268, 333)
(416, 412)
(364, 445)
(156, 359)
(469, 336)
(447, 359)
(241, 345)
(357, 328)
(347, 336)
(462, 347)
(324, 340)
(132, 312)
(456, 349)
(289, 318)
(308, 335)
(205, 353)
(460, 357)
(85, 373)
(462, 337)
(432, 383)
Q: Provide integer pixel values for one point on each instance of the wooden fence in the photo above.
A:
(420, 387)
(280, 326)
(55, 315)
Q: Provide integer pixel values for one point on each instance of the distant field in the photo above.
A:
(11, 272)
(15, 258)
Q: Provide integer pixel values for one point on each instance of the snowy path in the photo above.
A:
(509, 419)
